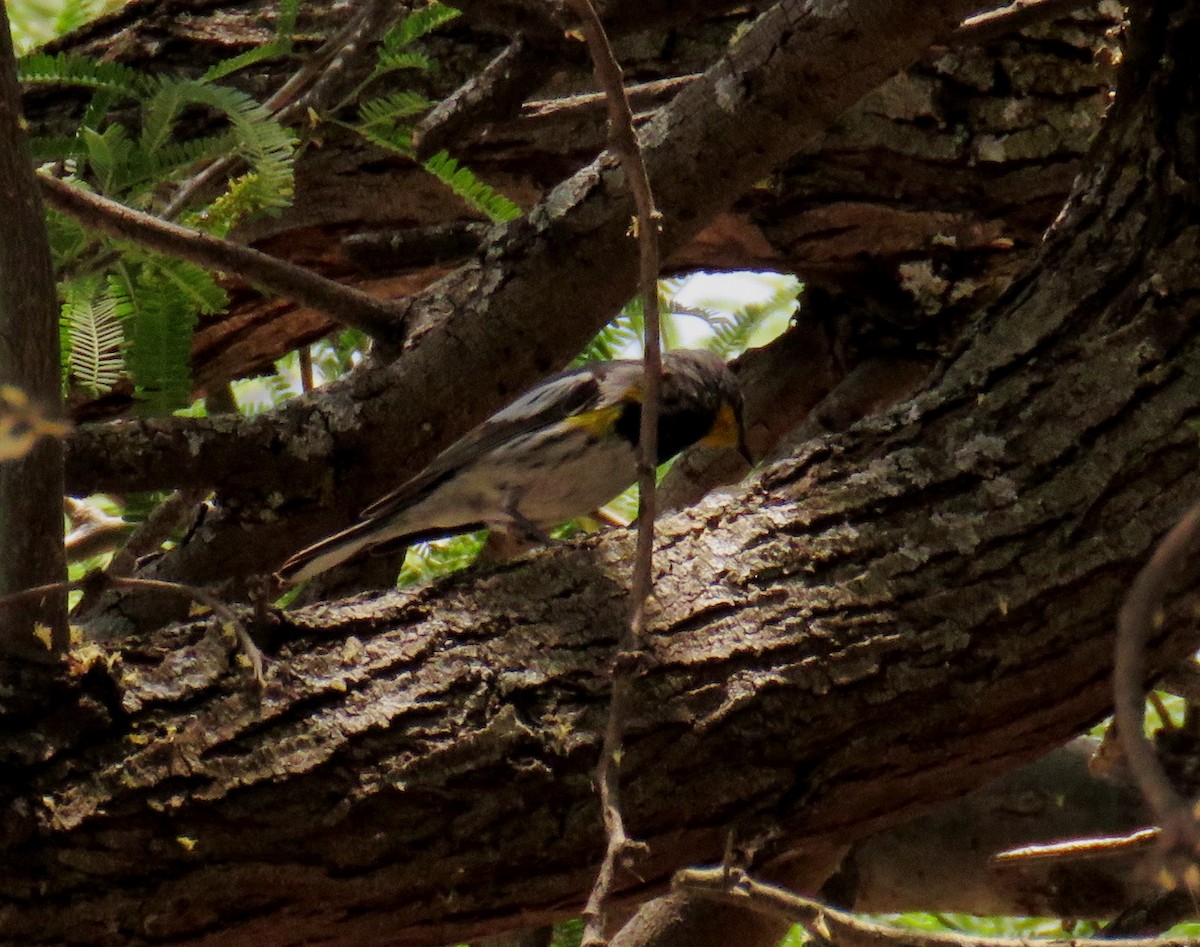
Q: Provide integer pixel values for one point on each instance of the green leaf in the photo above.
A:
(93, 337)
(110, 155)
(72, 70)
(395, 61)
(165, 298)
(245, 59)
(393, 138)
(417, 24)
(257, 137)
(462, 181)
(386, 110)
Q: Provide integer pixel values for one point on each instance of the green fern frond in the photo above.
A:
(395, 61)
(281, 45)
(79, 71)
(389, 108)
(337, 354)
(246, 59)
(68, 239)
(734, 335)
(43, 148)
(74, 14)
(393, 54)
(198, 286)
(113, 156)
(178, 157)
(93, 339)
(462, 181)
(266, 146)
(396, 138)
(417, 24)
(160, 337)
(614, 340)
(243, 196)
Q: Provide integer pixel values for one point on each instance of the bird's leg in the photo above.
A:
(521, 526)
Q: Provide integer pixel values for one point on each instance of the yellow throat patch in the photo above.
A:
(724, 431)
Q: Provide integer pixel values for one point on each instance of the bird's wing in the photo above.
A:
(570, 393)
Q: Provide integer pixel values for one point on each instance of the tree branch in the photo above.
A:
(349, 306)
(535, 293)
(1142, 609)
(733, 886)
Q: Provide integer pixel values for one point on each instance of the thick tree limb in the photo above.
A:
(516, 311)
(883, 619)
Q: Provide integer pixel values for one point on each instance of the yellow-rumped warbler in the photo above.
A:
(561, 450)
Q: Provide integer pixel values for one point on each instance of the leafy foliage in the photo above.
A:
(167, 296)
(281, 45)
(463, 182)
(128, 312)
(35, 21)
(384, 120)
(78, 71)
(417, 24)
(93, 338)
(427, 561)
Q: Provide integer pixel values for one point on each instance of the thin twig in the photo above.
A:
(1079, 849)
(733, 886)
(306, 369)
(994, 24)
(646, 93)
(219, 609)
(1142, 611)
(150, 534)
(624, 141)
(344, 304)
(1164, 715)
(145, 539)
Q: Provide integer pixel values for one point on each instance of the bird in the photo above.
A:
(562, 450)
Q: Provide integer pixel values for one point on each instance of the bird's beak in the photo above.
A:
(743, 449)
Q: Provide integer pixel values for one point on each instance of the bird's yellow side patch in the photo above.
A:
(597, 423)
(724, 431)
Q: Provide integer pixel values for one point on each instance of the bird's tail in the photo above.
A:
(330, 552)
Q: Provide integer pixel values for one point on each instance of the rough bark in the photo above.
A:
(892, 205)
(961, 163)
(31, 487)
(942, 861)
(884, 619)
(515, 310)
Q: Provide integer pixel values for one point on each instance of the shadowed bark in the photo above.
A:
(884, 619)
(510, 314)
(880, 620)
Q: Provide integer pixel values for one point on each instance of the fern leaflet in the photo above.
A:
(462, 181)
(93, 338)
